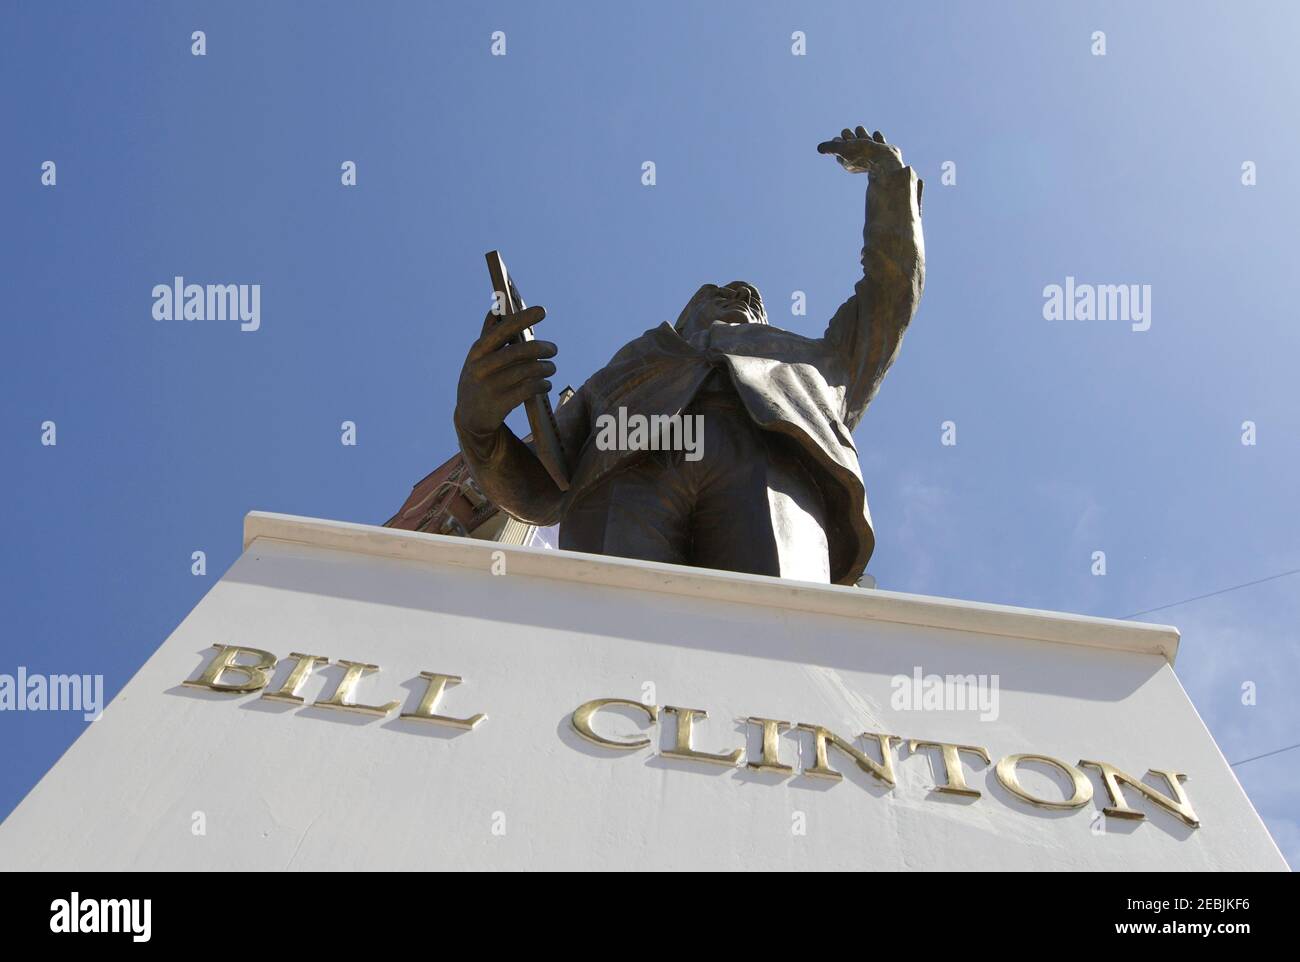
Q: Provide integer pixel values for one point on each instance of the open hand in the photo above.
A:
(862, 153)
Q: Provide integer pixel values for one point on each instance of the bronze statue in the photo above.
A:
(776, 488)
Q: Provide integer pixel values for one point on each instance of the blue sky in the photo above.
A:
(1072, 437)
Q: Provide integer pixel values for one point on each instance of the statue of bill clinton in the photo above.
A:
(776, 488)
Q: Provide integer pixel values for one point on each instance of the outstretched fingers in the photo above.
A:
(847, 137)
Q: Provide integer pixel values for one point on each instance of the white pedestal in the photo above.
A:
(276, 786)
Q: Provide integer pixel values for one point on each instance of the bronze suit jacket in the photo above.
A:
(815, 390)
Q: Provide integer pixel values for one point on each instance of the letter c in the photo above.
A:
(581, 721)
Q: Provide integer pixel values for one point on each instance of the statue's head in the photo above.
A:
(736, 303)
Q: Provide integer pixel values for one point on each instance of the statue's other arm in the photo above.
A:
(866, 331)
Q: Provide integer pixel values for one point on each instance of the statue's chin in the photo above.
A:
(735, 317)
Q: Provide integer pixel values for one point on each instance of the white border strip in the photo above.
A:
(872, 604)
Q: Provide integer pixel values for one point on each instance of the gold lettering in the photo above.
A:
(429, 701)
(954, 777)
(771, 760)
(289, 690)
(822, 737)
(1006, 772)
(581, 721)
(685, 728)
(341, 699)
(1118, 808)
(256, 676)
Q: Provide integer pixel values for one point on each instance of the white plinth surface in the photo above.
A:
(274, 786)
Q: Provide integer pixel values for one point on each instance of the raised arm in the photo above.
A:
(866, 331)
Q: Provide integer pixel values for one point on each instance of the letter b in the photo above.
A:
(255, 675)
